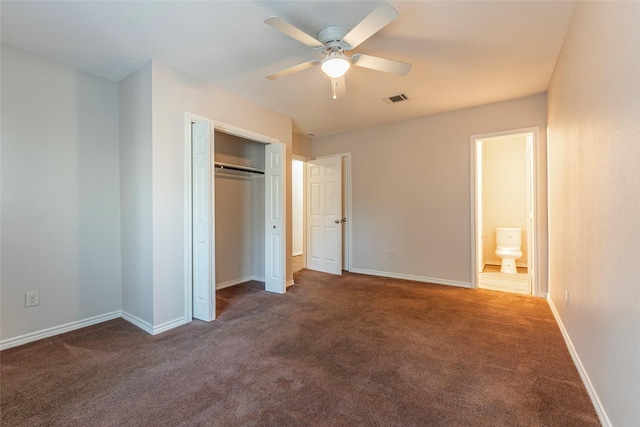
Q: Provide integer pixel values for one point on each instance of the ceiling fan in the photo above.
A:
(334, 41)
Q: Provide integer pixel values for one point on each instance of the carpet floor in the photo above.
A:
(352, 350)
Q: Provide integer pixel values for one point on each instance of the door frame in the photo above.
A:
(534, 219)
(304, 160)
(190, 118)
(346, 177)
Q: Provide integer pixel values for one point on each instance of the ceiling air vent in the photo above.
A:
(396, 98)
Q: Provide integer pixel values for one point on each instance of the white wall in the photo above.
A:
(504, 193)
(60, 202)
(136, 218)
(594, 201)
(174, 94)
(411, 188)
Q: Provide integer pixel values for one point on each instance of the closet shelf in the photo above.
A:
(223, 166)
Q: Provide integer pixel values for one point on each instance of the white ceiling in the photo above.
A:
(463, 53)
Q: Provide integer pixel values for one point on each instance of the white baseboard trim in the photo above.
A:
(234, 282)
(169, 325)
(410, 277)
(57, 330)
(297, 253)
(150, 329)
(68, 327)
(136, 321)
(602, 415)
(290, 283)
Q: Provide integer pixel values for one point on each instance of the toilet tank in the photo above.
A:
(509, 236)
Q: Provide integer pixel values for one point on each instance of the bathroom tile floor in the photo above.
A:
(496, 269)
(491, 278)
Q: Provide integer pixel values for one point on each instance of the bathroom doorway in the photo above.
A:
(298, 173)
(504, 198)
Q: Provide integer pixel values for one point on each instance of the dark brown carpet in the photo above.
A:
(334, 351)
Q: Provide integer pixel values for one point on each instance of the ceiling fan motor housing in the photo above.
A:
(332, 36)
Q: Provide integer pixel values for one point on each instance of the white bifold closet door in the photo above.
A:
(204, 298)
(275, 236)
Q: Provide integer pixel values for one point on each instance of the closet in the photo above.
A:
(239, 210)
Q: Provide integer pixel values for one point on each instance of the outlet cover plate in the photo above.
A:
(31, 298)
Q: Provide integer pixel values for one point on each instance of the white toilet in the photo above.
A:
(508, 242)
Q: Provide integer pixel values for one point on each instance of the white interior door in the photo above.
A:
(324, 215)
(275, 236)
(203, 198)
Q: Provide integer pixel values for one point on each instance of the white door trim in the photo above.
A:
(243, 133)
(347, 208)
(188, 240)
(535, 254)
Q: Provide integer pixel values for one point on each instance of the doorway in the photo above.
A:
(504, 202)
(298, 169)
(200, 217)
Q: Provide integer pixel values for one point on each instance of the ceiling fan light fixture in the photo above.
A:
(335, 65)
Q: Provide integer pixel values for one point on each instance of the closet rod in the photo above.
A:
(238, 168)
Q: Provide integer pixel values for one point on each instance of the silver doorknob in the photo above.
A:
(337, 221)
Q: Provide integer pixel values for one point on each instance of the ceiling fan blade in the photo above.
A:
(291, 70)
(374, 22)
(338, 88)
(293, 32)
(381, 64)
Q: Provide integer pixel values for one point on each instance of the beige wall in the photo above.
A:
(412, 189)
(594, 202)
(504, 192)
(301, 146)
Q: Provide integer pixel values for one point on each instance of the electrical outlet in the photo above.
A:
(566, 298)
(31, 298)
(392, 255)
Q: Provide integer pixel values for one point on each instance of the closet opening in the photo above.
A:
(235, 230)
(240, 217)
